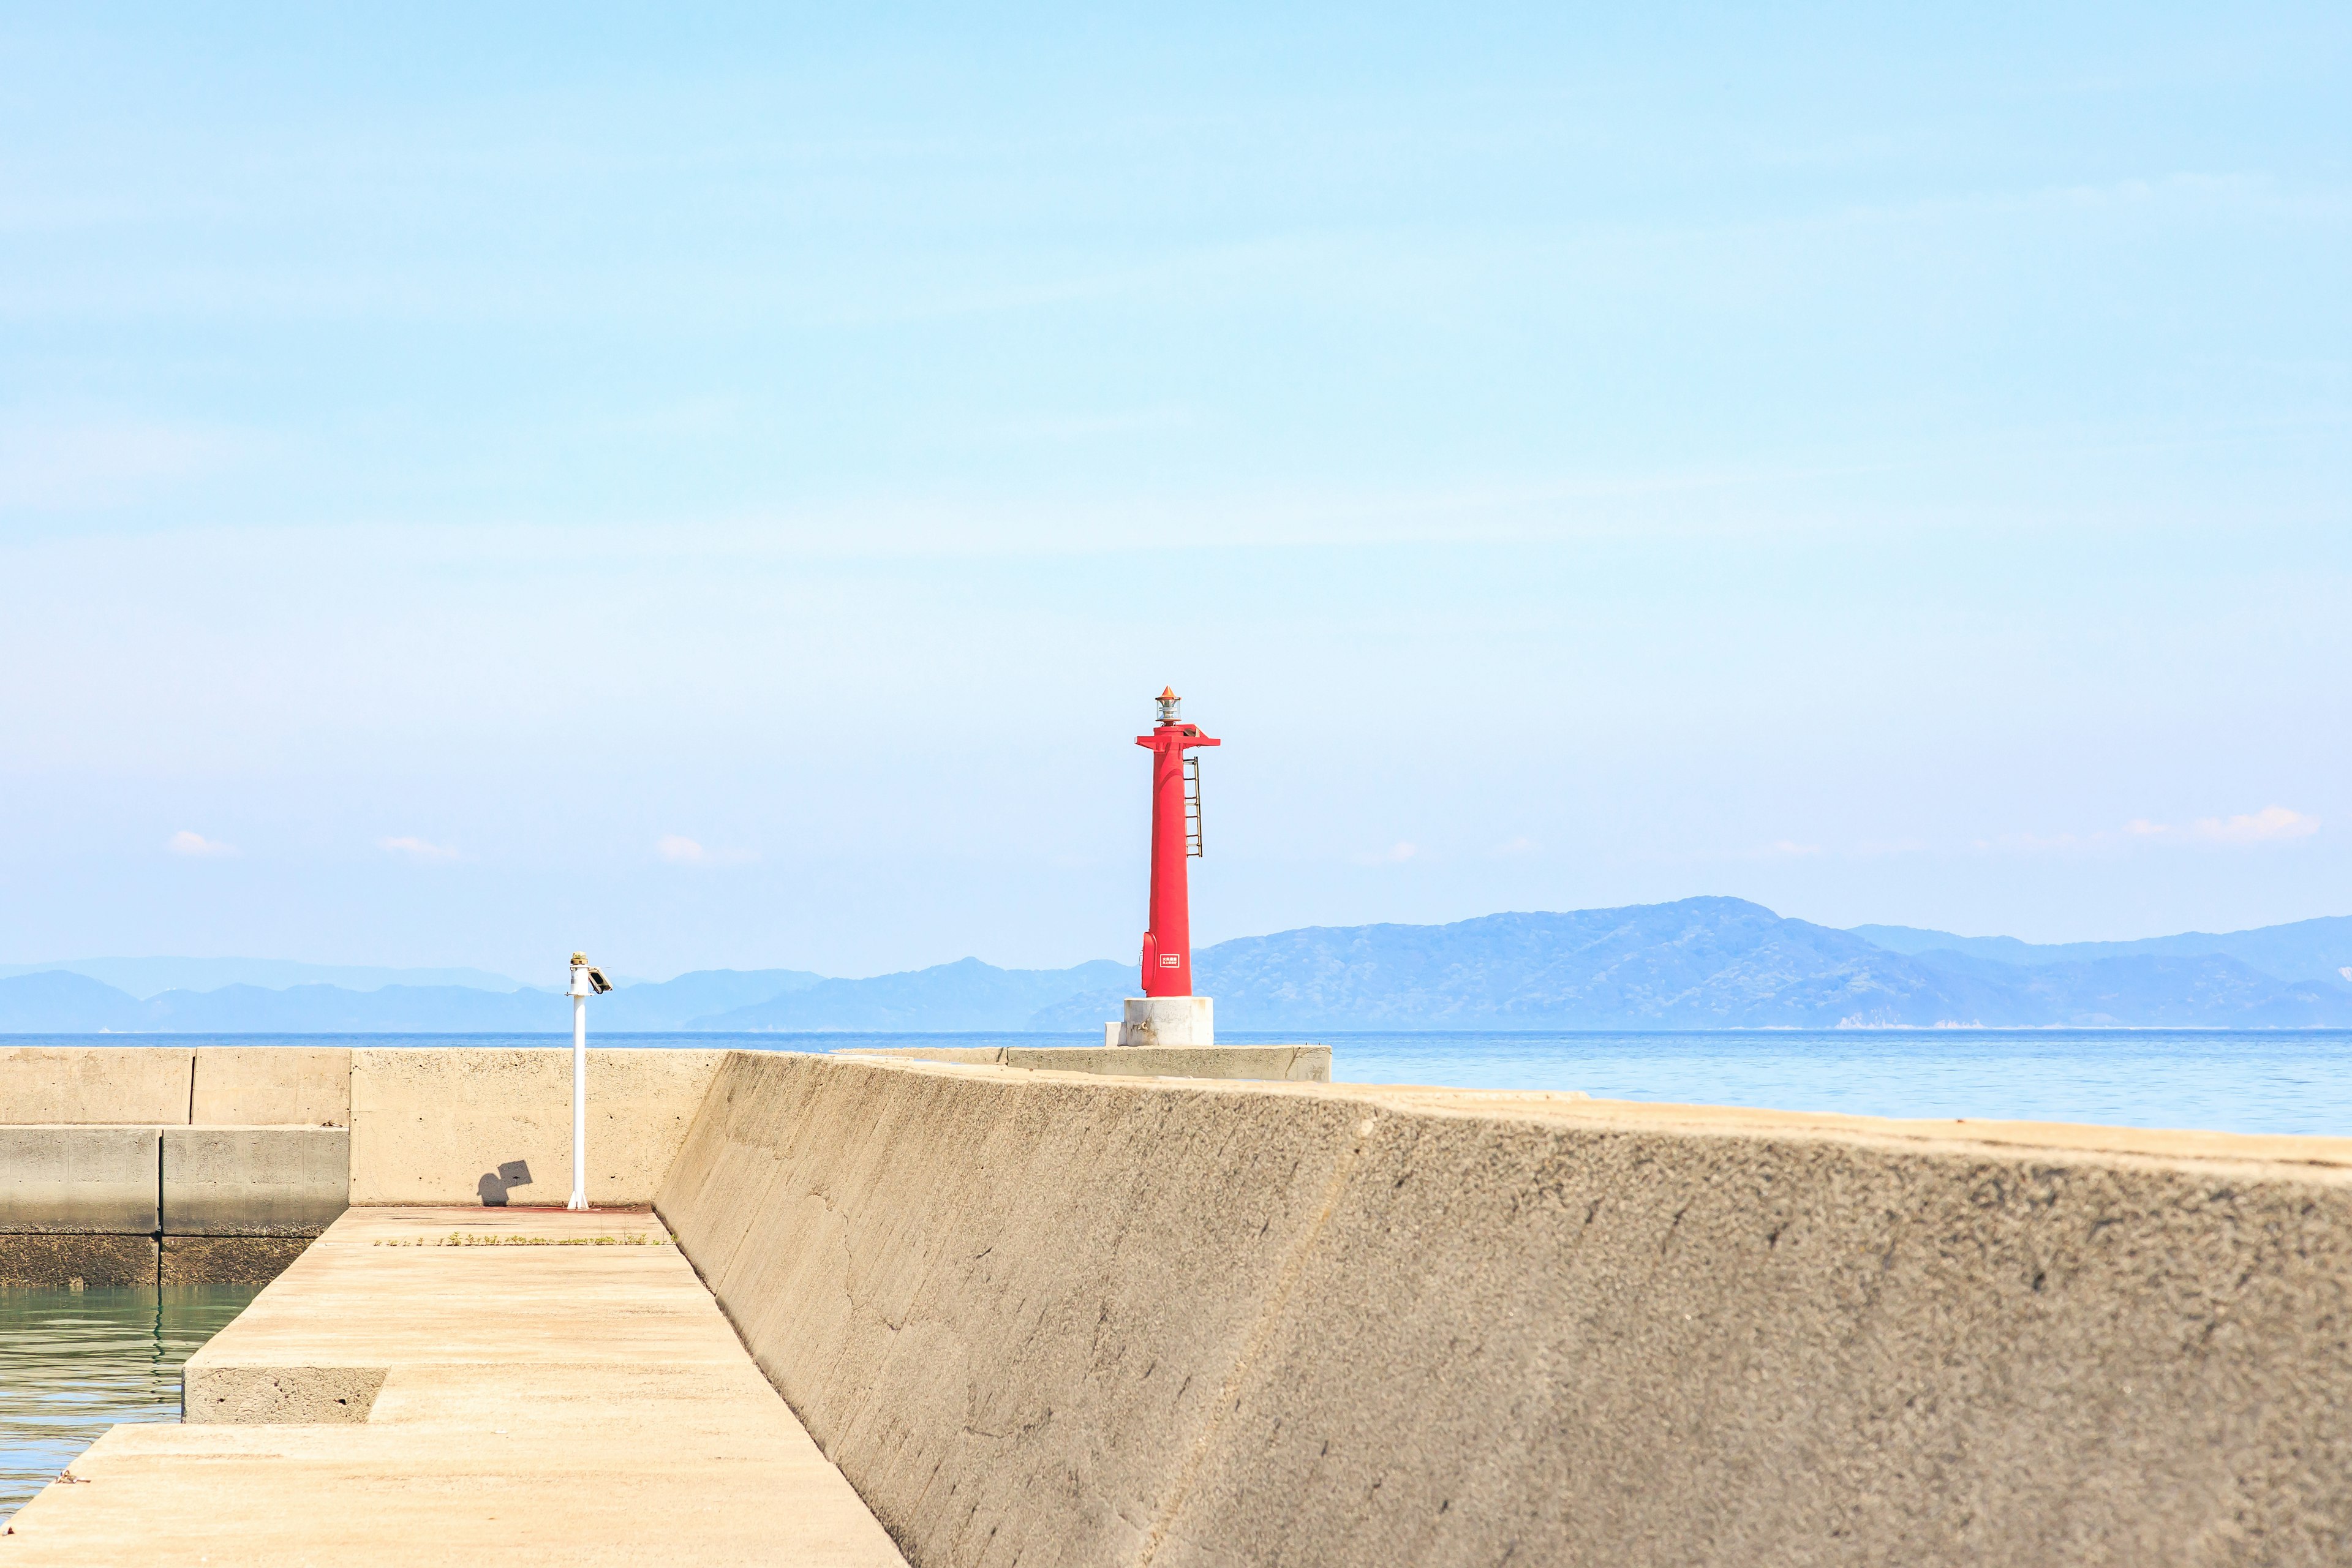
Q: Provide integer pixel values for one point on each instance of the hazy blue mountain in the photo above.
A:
(53, 1002)
(965, 996)
(2308, 950)
(2151, 990)
(332, 1010)
(674, 1004)
(152, 976)
(58, 1002)
(1916, 939)
(1700, 963)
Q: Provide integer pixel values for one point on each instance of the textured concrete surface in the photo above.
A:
(262, 1086)
(1165, 1021)
(147, 1084)
(529, 1405)
(465, 1124)
(1056, 1319)
(254, 1180)
(78, 1262)
(79, 1178)
(234, 1395)
(1293, 1064)
(227, 1260)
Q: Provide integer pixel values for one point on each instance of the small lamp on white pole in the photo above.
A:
(587, 980)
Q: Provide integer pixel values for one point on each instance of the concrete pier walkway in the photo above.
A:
(430, 1385)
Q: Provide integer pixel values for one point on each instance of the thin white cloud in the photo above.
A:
(1394, 855)
(680, 850)
(2272, 824)
(417, 849)
(1515, 847)
(198, 846)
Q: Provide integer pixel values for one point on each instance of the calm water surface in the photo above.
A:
(2228, 1080)
(74, 1363)
(2222, 1080)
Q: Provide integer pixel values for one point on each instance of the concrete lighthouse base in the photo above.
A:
(1164, 1020)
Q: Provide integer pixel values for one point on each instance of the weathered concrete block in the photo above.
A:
(254, 1180)
(214, 1394)
(56, 1085)
(266, 1086)
(1202, 1323)
(1165, 1021)
(227, 1260)
(971, 1056)
(470, 1124)
(1280, 1064)
(79, 1179)
(1098, 1249)
(78, 1262)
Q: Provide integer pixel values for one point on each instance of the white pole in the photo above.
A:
(579, 1090)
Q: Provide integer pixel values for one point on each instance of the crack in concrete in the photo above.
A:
(1293, 1267)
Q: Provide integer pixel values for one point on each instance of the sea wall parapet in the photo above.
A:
(98, 1083)
(1072, 1318)
(1279, 1064)
(168, 1164)
(271, 1086)
(1076, 1321)
(492, 1126)
(79, 1180)
(254, 1180)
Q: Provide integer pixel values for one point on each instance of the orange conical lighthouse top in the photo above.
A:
(1168, 943)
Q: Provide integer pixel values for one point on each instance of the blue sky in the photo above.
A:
(723, 491)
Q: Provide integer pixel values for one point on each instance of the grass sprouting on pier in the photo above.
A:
(464, 1238)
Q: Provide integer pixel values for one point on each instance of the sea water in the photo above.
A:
(2220, 1079)
(2257, 1080)
(74, 1363)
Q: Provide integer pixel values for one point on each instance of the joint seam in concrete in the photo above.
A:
(1269, 1320)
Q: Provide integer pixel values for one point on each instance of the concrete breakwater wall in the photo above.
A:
(139, 1164)
(1068, 1319)
(1277, 1064)
(1060, 1320)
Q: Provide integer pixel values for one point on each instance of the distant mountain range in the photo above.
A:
(2308, 950)
(61, 1002)
(1699, 963)
(149, 977)
(966, 995)
(1718, 963)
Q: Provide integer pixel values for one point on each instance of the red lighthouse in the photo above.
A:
(1175, 839)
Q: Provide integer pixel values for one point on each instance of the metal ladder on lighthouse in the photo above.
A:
(1191, 804)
